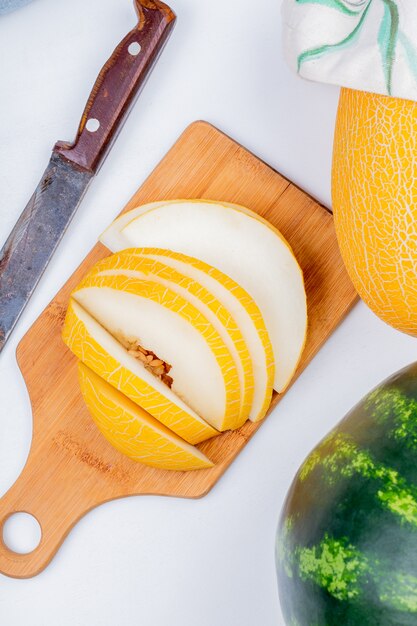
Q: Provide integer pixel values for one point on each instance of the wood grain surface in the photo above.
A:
(71, 468)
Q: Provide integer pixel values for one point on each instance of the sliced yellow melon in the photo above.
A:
(147, 314)
(113, 237)
(145, 268)
(243, 246)
(227, 293)
(133, 431)
(102, 353)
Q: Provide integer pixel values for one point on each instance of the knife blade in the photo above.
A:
(72, 166)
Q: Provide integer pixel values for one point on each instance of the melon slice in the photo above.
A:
(226, 293)
(113, 237)
(149, 315)
(146, 268)
(243, 246)
(102, 353)
(133, 431)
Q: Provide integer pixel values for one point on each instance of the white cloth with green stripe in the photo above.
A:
(370, 45)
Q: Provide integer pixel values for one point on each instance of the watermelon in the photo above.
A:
(347, 539)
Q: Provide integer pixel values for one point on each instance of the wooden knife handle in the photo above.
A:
(117, 86)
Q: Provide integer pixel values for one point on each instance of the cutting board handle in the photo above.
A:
(117, 86)
(50, 489)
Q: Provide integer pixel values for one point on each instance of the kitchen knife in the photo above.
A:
(40, 227)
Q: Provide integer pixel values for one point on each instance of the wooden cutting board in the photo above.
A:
(71, 468)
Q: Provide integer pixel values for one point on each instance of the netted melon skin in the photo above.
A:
(374, 192)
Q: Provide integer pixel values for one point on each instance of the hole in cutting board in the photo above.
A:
(22, 533)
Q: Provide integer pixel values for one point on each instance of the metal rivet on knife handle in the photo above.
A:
(40, 227)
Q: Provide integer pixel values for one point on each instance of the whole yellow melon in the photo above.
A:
(374, 190)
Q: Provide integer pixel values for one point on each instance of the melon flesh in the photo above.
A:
(146, 268)
(113, 237)
(247, 315)
(244, 247)
(132, 430)
(225, 291)
(144, 312)
(102, 353)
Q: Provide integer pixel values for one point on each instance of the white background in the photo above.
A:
(156, 561)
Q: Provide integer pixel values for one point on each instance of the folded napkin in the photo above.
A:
(369, 45)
